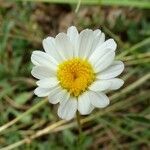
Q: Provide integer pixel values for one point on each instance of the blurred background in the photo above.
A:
(28, 122)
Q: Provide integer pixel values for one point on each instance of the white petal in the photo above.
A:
(100, 85)
(97, 32)
(99, 38)
(67, 109)
(99, 100)
(85, 42)
(115, 83)
(109, 44)
(57, 95)
(41, 92)
(101, 50)
(49, 46)
(110, 84)
(64, 46)
(104, 61)
(84, 104)
(112, 71)
(47, 82)
(73, 34)
(40, 58)
(41, 72)
(102, 39)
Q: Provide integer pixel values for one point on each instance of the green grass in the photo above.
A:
(29, 122)
(130, 3)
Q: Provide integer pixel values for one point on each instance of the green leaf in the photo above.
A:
(68, 138)
(23, 97)
(140, 119)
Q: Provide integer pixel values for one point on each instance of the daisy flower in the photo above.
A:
(76, 70)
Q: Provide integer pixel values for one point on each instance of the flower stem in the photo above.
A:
(80, 135)
(79, 122)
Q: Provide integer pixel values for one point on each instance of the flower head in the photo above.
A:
(76, 70)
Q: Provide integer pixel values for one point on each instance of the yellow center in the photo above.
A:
(75, 75)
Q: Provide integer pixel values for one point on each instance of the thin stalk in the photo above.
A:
(36, 135)
(80, 135)
(135, 47)
(57, 128)
(133, 57)
(138, 61)
(79, 122)
(126, 3)
(126, 90)
(126, 104)
(63, 126)
(32, 109)
(89, 118)
(78, 6)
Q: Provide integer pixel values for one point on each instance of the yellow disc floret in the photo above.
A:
(75, 75)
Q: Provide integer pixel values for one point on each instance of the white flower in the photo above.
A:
(76, 70)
